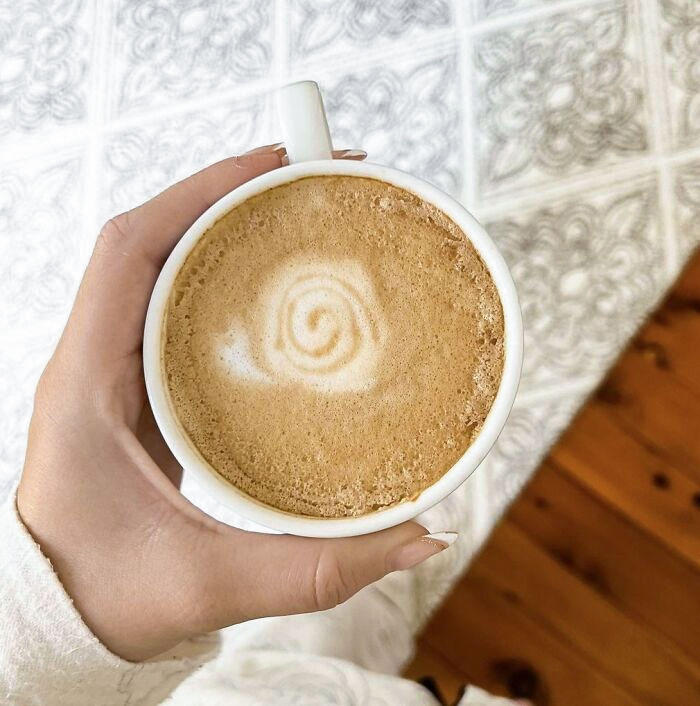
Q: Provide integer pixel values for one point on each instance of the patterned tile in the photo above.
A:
(165, 51)
(141, 161)
(40, 260)
(558, 96)
(405, 115)
(45, 48)
(680, 21)
(687, 191)
(20, 367)
(529, 432)
(587, 268)
(320, 27)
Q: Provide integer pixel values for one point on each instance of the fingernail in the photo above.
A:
(418, 550)
(448, 538)
(351, 154)
(266, 148)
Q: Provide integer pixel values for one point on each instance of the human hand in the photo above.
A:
(99, 490)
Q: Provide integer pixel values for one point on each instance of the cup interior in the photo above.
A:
(278, 520)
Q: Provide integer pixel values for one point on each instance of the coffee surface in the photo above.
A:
(333, 345)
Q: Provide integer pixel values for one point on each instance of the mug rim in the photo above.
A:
(279, 520)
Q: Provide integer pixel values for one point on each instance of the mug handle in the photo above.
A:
(304, 125)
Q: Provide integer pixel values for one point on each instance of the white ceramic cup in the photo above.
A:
(308, 145)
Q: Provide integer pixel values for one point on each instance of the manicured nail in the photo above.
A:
(447, 538)
(266, 148)
(419, 549)
(350, 154)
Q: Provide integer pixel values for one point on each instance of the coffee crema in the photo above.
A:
(333, 345)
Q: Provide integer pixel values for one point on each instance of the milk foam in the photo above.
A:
(333, 345)
(319, 324)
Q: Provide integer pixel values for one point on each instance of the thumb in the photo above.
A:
(250, 575)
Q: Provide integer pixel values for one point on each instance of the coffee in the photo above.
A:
(333, 345)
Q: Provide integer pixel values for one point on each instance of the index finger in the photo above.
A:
(110, 309)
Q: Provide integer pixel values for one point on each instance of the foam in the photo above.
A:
(319, 324)
(333, 346)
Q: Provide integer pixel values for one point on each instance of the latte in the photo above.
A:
(333, 345)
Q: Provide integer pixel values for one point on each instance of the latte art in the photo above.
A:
(332, 346)
(320, 325)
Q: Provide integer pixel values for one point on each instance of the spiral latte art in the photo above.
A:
(332, 346)
(320, 325)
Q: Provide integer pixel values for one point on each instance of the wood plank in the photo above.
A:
(650, 491)
(671, 337)
(651, 404)
(429, 663)
(646, 665)
(619, 561)
(654, 388)
(588, 593)
(509, 652)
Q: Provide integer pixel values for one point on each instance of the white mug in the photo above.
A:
(308, 145)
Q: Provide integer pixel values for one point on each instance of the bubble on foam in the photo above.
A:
(321, 325)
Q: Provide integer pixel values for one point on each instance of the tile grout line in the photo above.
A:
(533, 194)
(515, 19)
(530, 196)
(649, 28)
(280, 60)
(99, 53)
(466, 77)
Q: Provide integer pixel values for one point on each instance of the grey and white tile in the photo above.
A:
(680, 29)
(529, 432)
(331, 27)
(406, 114)
(165, 52)
(45, 48)
(141, 161)
(485, 9)
(558, 96)
(40, 254)
(21, 365)
(587, 267)
(687, 204)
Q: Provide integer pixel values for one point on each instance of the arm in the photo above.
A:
(47, 653)
(144, 568)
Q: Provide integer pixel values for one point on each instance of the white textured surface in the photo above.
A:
(572, 129)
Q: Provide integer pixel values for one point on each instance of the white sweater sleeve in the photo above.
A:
(48, 656)
(47, 653)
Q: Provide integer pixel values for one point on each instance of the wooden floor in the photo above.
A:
(588, 592)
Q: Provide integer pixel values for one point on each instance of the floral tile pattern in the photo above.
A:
(587, 268)
(45, 49)
(407, 116)
(20, 367)
(169, 51)
(687, 200)
(559, 138)
(40, 243)
(555, 97)
(141, 161)
(680, 21)
(531, 429)
(328, 26)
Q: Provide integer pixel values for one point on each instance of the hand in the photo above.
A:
(99, 490)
